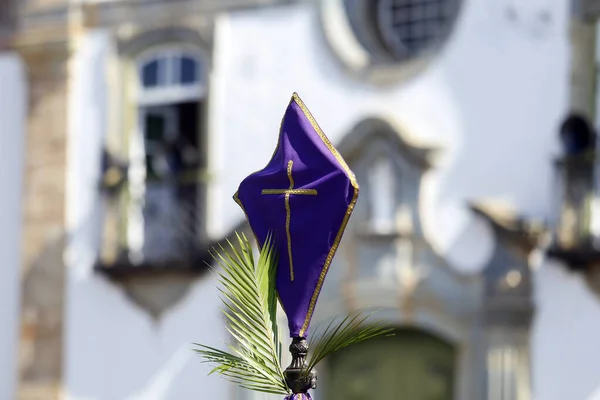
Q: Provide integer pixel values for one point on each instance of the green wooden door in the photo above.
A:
(412, 365)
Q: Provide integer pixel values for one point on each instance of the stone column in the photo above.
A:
(508, 307)
(43, 272)
(507, 316)
(508, 364)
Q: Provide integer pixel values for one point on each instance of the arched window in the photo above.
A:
(411, 27)
(394, 31)
(171, 90)
(382, 200)
(167, 154)
(412, 364)
(170, 75)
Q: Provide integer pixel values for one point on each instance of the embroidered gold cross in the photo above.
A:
(287, 193)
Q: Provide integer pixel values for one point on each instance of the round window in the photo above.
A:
(409, 28)
(374, 34)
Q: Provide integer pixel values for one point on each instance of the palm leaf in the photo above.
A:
(336, 336)
(249, 295)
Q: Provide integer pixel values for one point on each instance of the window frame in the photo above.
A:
(382, 163)
(353, 37)
(170, 92)
(397, 46)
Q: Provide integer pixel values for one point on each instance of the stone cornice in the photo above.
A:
(47, 37)
(420, 154)
(114, 13)
(43, 26)
(509, 226)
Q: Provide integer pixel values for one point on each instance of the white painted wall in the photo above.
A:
(113, 350)
(12, 165)
(493, 99)
(565, 339)
(12, 134)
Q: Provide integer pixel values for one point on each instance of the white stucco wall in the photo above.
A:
(493, 100)
(12, 133)
(113, 349)
(564, 341)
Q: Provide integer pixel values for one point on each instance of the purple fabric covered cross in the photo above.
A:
(304, 196)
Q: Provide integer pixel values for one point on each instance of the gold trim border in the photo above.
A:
(239, 203)
(349, 209)
(338, 237)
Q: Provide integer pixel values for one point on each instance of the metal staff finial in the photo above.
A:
(295, 377)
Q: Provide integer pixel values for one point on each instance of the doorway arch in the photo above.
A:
(412, 364)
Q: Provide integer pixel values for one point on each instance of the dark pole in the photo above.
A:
(295, 377)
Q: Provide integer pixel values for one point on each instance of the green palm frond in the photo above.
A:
(336, 336)
(249, 295)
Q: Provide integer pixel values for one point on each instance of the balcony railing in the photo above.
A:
(154, 224)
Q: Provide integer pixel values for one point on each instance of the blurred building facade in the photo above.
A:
(128, 124)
